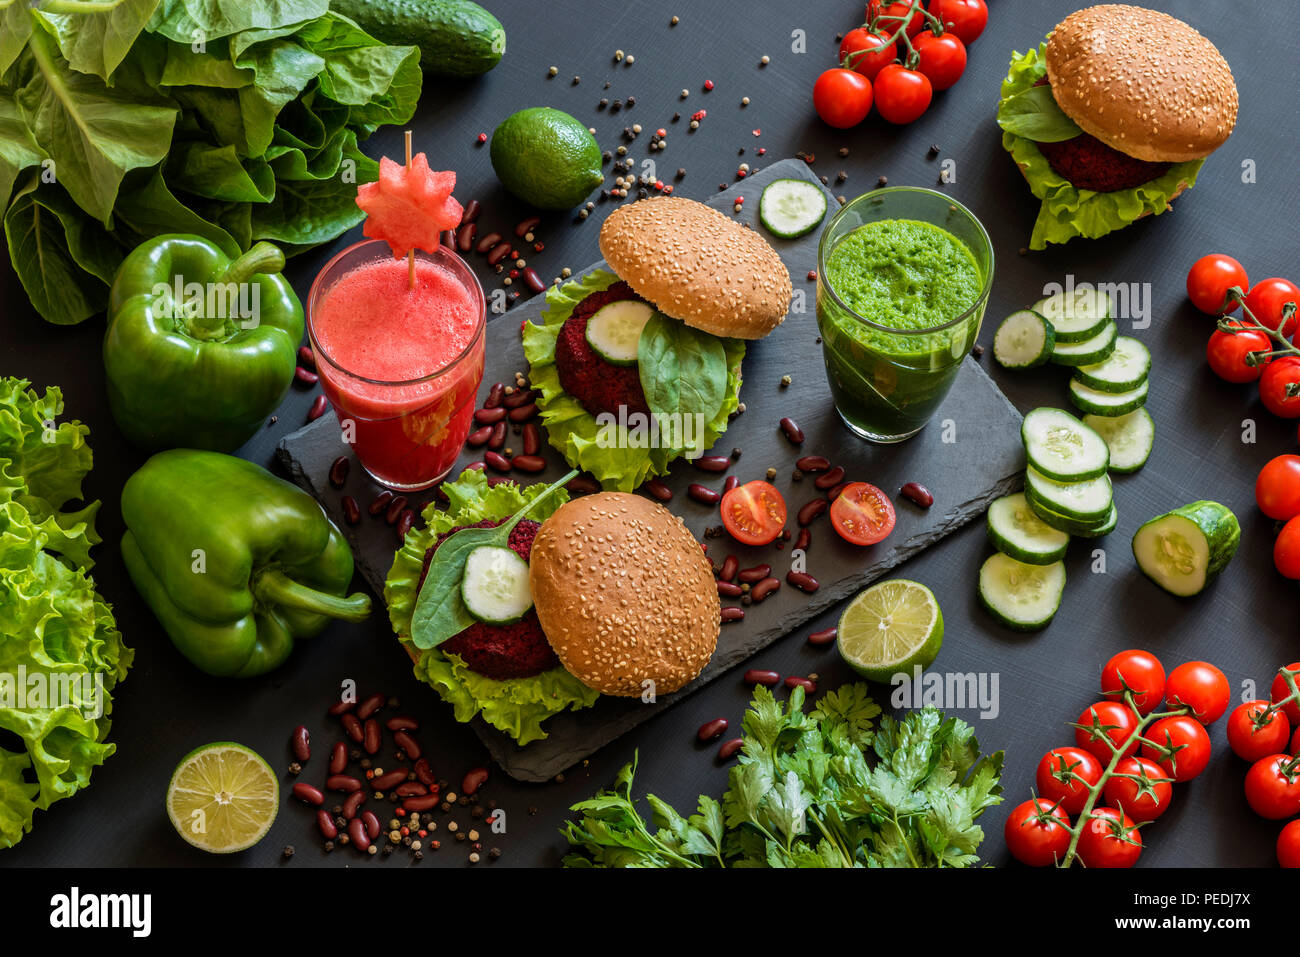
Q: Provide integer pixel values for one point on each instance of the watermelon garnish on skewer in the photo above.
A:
(409, 206)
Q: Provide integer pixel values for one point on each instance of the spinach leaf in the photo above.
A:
(306, 212)
(356, 71)
(440, 612)
(18, 150)
(188, 21)
(148, 208)
(683, 371)
(97, 42)
(1035, 115)
(15, 28)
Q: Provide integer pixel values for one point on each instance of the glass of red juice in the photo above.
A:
(400, 365)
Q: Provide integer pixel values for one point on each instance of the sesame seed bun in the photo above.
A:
(1142, 82)
(624, 594)
(694, 264)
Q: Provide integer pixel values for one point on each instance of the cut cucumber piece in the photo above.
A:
(1086, 501)
(1077, 315)
(495, 585)
(1182, 550)
(1024, 340)
(1127, 368)
(791, 208)
(1015, 530)
(1089, 351)
(1096, 402)
(1061, 447)
(1021, 596)
(615, 329)
(1072, 526)
(1129, 437)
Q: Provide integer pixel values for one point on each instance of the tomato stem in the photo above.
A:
(1252, 324)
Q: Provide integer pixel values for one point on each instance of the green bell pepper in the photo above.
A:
(234, 562)
(200, 349)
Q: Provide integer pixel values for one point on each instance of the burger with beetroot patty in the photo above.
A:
(639, 364)
(1112, 117)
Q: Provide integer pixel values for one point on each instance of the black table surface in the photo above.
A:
(1246, 622)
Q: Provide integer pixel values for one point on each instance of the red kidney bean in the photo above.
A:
(730, 565)
(471, 212)
(479, 437)
(424, 773)
(306, 358)
(371, 820)
(824, 637)
(532, 439)
(353, 804)
(526, 226)
(712, 729)
(394, 509)
(404, 523)
(792, 431)
(448, 238)
(488, 242)
(478, 466)
(357, 832)
(380, 502)
(473, 780)
(352, 725)
(351, 510)
(829, 480)
(812, 511)
(343, 782)
(300, 743)
(308, 793)
(499, 252)
(318, 407)
(804, 539)
(339, 469)
(407, 744)
(729, 590)
(410, 789)
(523, 413)
(371, 705)
(918, 493)
(813, 464)
(763, 589)
(519, 397)
(489, 416)
(420, 803)
(731, 482)
(496, 460)
(465, 237)
(834, 493)
(402, 723)
(703, 494)
(803, 581)
(498, 437)
(757, 676)
(533, 281)
(531, 464)
(495, 394)
(325, 822)
(305, 376)
(712, 463)
(495, 480)
(806, 684)
(731, 614)
(373, 736)
(657, 490)
(730, 749)
(756, 574)
(341, 707)
(339, 758)
(389, 779)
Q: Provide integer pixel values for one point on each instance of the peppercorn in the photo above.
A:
(494, 853)
(735, 454)
(295, 767)
(631, 100)
(288, 851)
(672, 22)
(841, 176)
(604, 102)
(630, 60)
(418, 855)
(329, 846)
(473, 858)
(577, 80)
(552, 71)
(785, 382)
(765, 60)
(884, 180)
(744, 101)
(844, 151)
(708, 84)
(771, 474)
(796, 476)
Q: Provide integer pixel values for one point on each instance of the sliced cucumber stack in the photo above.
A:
(1021, 596)
(1126, 368)
(495, 585)
(1024, 340)
(1096, 348)
(790, 208)
(614, 330)
(1094, 528)
(1061, 447)
(1077, 315)
(1016, 531)
(1096, 402)
(1087, 501)
(1182, 550)
(1130, 438)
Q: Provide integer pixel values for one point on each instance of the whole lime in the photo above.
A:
(546, 158)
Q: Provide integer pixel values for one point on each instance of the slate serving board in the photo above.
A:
(969, 455)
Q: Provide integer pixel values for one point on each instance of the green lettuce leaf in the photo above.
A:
(202, 21)
(572, 429)
(517, 706)
(98, 41)
(1066, 211)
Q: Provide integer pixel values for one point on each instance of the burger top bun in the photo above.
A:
(1142, 82)
(624, 594)
(694, 264)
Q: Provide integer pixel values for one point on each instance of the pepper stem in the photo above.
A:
(276, 588)
(262, 259)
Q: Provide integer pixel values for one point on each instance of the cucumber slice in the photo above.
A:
(1089, 351)
(1024, 340)
(1015, 530)
(1086, 501)
(1129, 437)
(1127, 368)
(1101, 403)
(615, 329)
(1182, 550)
(1077, 315)
(1023, 597)
(791, 208)
(495, 585)
(1072, 526)
(1061, 447)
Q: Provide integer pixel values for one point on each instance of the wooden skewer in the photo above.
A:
(410, 255)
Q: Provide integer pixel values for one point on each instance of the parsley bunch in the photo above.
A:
(804, 794)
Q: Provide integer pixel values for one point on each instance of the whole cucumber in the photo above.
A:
(455, 37)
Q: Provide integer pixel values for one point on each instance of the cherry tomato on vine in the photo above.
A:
(1288, 845)
(1037, 833)
(1251, 740)
(1209, 280)
(902, 95)
(943, 58)
(1117, 723)
(1141, 672)
(1266, 299)
(1273, 787)
(1189, 740)
(1200, 686)
(899, 9)
(753, 513)
(1277, 489)
(867, 53)
(1279, 691)
(842, 98)
(965, 19)
(1278, 378)
(1071, 764)
(1286, 550)
(1226, 353)
(1109, 839)
(1140, 801)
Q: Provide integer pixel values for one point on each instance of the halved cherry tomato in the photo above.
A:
(1227, 351)
(1286, 550)
(1250, 739)
(1209, 280)
(1266, 299)
(964, 18)
(1140, 800)
(753, 513)
(902, 95)
(1200, 686)
(1117, 722)
(1141, 673)
(1189, 740)
(1278, 379)
(1279, 691)
(863, 514)
(1277, 490)
(898, 10)
(842, 98)
(943, 58)
(1037, 833)
(1064, 776)
(1109, 839)
(867, 53)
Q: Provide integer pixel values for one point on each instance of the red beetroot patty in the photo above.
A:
(598, 385)
(500, 652)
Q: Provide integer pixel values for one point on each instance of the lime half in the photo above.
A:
(891, 627)
(223, 797)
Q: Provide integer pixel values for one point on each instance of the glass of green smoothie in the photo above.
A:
(903, 277)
